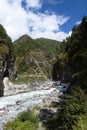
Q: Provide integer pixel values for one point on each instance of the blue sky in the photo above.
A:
(51, 19)
(75, 9)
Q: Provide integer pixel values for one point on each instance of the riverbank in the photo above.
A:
(11, 106)
(11, 88)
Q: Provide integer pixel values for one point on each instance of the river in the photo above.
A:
(11, 106)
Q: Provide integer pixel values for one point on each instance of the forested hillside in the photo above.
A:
(6, 49)
(6, 58)
(35, 56)
(73, 63)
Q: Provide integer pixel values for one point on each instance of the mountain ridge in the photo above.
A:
(35, 55)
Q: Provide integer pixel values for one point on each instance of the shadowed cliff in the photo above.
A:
(6, 58)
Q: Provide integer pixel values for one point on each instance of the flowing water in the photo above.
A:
(11, 106)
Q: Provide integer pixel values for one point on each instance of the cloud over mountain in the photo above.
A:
(25, 17)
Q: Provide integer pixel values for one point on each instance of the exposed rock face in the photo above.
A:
(62, 70)
(6, 70)
(1, 84)
(35, 56)
(12, 89)
(6, 58)
(60, 73)
(3, 66)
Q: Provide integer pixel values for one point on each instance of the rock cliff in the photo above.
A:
(7, 58)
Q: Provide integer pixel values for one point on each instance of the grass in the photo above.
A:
(36, 108)
(29, 78)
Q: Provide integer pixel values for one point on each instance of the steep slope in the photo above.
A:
(73, 113)
(6, 57)
(74, 55)
(77, 53)
(49, 46)
(35, 56)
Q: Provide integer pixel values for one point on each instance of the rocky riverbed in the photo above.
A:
(11, 106)
(11, 88)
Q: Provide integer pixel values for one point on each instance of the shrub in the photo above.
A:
(25, 121)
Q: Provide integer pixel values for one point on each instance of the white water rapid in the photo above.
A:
(11, 106)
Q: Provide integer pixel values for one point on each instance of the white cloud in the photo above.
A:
(13, 18)
(18, 21)
(48, 26)
(50, 35)
(55, 2)
(33, 3)
(70, 33)
(77, 23)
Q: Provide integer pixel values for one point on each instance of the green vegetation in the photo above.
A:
(81, 123)
(5, 40)
(73, 112)
(73, 57)
(36, 108)
(73, 109)
(3, 48)
(35, 56)
(24, 78)
(7, 57)
(48, 46)
(25, 121)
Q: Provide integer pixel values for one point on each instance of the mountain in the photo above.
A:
(35, 56)
(26, 56)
